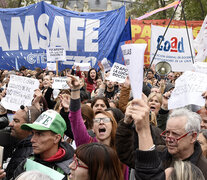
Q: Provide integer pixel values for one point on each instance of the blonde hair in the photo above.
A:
(158, 95)
(153, 118)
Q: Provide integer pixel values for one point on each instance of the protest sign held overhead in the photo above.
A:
(200, 43)
(56, 54)
(106, 64)
(134, 60)
(188, 90)
(20, 91)
(174, 48)
(83, 66)
(60, 83)
(118, 73)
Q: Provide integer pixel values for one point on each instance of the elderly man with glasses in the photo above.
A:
(180, 137)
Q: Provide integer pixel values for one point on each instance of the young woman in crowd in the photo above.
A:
(95, 161)
(104, 123)
(91, 80)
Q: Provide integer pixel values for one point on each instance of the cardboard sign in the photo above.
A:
(118, 73)
(60, 83)
(188, 90)
(174, 48)
(134, 60)
(56, 54)
(83, 66)
(20, 91)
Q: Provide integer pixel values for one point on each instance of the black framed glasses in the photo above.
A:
(98, 120)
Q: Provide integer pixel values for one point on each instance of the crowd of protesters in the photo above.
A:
(95, 130)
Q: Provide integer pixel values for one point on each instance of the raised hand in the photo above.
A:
(73, 82)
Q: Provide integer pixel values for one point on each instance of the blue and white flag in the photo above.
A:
(26, 33)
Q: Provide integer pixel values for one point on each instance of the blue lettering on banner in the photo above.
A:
(173, 45)
(27, 32)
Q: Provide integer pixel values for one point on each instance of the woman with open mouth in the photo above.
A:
(104, 125)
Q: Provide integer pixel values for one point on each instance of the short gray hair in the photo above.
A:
(193, 119)
(33, 175)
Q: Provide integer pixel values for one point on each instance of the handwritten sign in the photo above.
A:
(60, 83)
(32, 165)
(134, 60)
(83, 66)
(118, 73)
(188, 90)
(56, 54)
(200, 67)
(20, 91)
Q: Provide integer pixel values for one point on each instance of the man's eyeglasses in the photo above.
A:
(165, 136)
(98, 120)
(77, 163)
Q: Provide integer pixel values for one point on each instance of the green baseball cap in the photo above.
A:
(49, 120)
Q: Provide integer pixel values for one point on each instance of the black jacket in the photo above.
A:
(151, 164)
(22, 150)
(60, 165)
(127, 141)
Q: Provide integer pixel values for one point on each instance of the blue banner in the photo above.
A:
(26, 33)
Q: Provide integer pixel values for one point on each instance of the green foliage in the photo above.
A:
(141, 7)
(194, 9)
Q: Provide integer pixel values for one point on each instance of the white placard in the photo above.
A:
(200, 43)
(60, 83)
(188, 90)
(51, 66)
(106, 65)
(174, 49)
(56, 54)
(200, 67)
(134, 60)
(83, 66)
(20, 91)
(118, 73)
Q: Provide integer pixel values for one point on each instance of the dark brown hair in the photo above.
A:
(88, 115)
(102, 161)
(90, 80)
(104, 99)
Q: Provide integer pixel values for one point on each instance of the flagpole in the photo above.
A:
(162, 38)
(187, 33)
